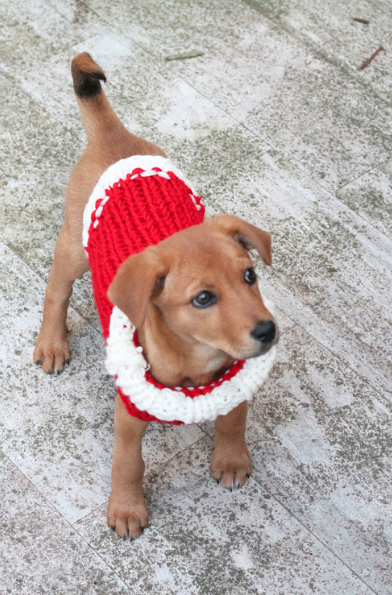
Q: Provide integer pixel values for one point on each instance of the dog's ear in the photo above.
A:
(136, 281)
(246, 234)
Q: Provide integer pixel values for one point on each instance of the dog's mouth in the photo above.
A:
(263, 337)
(238, 353)
(262, 349)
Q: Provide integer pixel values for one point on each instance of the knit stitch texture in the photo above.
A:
(139, 202)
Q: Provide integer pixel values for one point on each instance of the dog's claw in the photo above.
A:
(233, 466)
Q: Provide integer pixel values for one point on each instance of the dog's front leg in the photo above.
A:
(127, 512)
(231, 464)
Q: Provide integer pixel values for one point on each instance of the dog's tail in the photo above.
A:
(86, 76)
(97, 113)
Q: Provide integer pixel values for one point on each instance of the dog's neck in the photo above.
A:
(175, 361)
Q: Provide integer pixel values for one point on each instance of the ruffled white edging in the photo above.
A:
(126, 362)
(120, 170)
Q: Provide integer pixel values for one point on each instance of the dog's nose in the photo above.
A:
(264, 332)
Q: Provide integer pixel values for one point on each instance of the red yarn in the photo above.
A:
(138, 213)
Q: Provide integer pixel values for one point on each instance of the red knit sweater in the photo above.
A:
(137, 203)
(141, 210)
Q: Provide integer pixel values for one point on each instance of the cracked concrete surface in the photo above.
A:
(273, 123)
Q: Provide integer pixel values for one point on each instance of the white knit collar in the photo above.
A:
(125, 361)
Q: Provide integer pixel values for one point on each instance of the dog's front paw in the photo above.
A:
(52, 352)
(231, 465)
(127, 515)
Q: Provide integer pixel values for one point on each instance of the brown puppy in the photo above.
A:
(159, 289)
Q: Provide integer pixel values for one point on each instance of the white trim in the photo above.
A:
(120, 170)
(127, 364)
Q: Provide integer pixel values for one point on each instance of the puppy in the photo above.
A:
(189, 336)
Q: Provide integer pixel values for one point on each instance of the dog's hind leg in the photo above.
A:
(108, 141)
(69, 263)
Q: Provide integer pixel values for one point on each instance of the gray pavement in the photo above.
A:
(273, 123)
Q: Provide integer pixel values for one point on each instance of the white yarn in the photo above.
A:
(120, 170)
(127, 364)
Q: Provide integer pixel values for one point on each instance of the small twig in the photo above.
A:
(185, 56)
(374, 54)
(358, 20)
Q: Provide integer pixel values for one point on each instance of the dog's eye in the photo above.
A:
(204, 299)
(250, 276)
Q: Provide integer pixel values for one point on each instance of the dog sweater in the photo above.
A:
(138, 202)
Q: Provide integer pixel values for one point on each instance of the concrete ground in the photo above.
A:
(273, 123)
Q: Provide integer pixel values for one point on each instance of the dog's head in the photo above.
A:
(202, 282)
